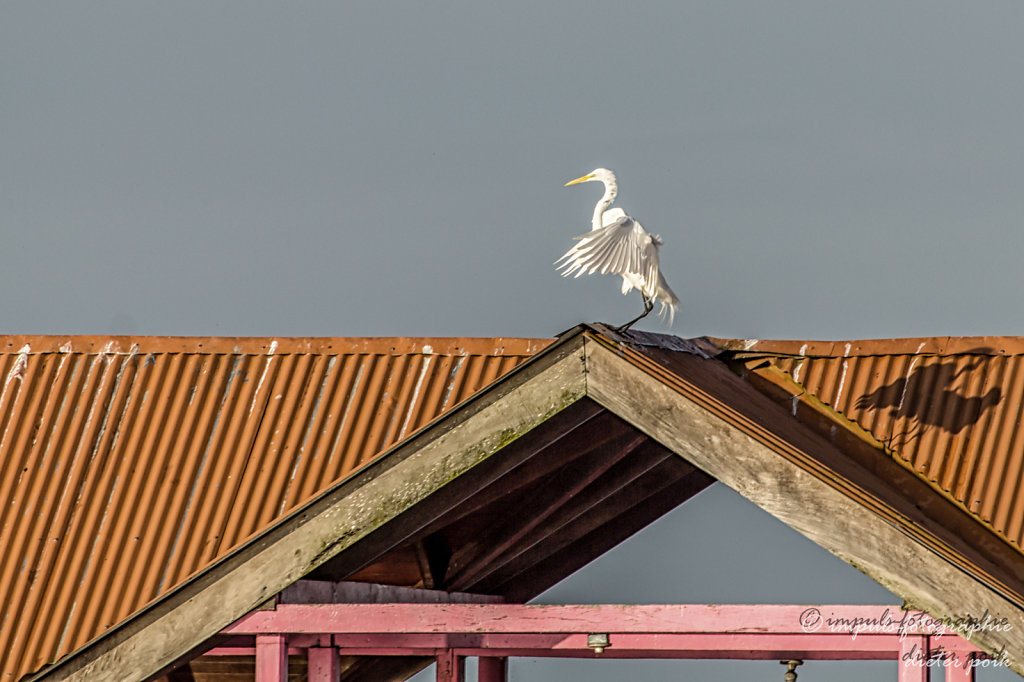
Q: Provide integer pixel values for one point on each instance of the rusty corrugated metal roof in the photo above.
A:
(951, 408)
(129, 464)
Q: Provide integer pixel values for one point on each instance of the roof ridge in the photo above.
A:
(270, 345)
(924, 345)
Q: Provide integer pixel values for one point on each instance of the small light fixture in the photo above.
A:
(598, 642)
(791, 665)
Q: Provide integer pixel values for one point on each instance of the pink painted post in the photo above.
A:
(492, 669)
(450, 667)
(323, 664)
(271, 658)
(960, 668)
(913, 660)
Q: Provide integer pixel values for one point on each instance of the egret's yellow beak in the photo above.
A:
(579, 180)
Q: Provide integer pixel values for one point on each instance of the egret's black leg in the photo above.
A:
(648, 307)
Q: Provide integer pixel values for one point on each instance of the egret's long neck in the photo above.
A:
(610, 190)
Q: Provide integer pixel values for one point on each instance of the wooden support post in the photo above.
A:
(271, 658)
(492, 669)
(323, 664)
(913, 659)
(451, 668)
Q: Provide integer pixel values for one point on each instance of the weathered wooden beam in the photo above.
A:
(434, 510)
(484, 554)
(630, 510)
(324, 592)
(773, 464)
(586, 509)
(359, 511)
(585, 426)
(893, 481)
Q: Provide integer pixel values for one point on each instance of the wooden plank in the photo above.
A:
(666, 494)
(564, 441)
(351, 513)
(434, 510)
(587, 510)
(322, 592)
(484, 555)
(789, 490)
(407, 619)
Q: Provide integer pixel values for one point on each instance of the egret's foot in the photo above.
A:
(648, 307)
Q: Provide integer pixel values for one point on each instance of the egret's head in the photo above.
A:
(597, 175)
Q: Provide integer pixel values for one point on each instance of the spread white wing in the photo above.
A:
(621, 247)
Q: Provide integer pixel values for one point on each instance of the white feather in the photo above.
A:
(619, 245)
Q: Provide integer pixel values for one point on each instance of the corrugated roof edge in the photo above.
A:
(269, 345)
(937, 345)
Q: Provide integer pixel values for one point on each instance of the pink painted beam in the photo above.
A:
(757, 646)
(271, 658)
(323, 664)
(246, 651)
(508, 618)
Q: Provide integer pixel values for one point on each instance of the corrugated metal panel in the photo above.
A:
(951, 407)
(127, 465)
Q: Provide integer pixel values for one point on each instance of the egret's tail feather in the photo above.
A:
(668, 310)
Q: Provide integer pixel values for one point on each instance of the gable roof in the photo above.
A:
(130, 464)
(820, 472)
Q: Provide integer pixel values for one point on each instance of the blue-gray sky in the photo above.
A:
(817, 170)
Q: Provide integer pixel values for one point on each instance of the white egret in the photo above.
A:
(618, 245)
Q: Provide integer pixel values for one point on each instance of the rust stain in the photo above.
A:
(129, 464)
